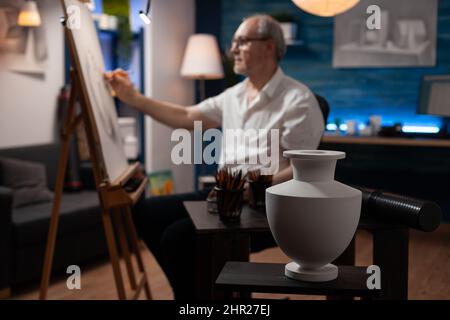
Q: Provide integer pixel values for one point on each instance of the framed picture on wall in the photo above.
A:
(161, 183)
(22, 49)
(406, 37)
(434, 95)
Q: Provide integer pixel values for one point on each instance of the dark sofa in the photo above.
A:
(23, 230)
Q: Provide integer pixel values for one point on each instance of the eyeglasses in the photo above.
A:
(243, 42)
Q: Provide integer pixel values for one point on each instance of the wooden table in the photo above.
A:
(218, 243)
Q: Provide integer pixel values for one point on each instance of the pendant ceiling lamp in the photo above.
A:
(325, 8)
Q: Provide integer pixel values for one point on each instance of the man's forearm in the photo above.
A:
(173, 115)
(282, 176)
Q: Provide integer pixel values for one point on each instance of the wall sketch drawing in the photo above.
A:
(407, 36)
(92, 67)
(22, 49)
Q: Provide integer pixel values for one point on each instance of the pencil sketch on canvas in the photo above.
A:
(407, 36)
(90, 58)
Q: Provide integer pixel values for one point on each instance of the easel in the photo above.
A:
(114, 200)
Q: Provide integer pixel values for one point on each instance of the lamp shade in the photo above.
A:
(202, 58)
(325, 8)
(29, 15)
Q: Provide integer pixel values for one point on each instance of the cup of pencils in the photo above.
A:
(258, 184)
(230, 194)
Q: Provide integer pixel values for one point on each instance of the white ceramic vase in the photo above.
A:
(312, 217)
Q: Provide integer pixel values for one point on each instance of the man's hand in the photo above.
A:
(171, 114)
(122, 86)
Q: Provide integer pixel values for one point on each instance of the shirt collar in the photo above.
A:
(271, 86)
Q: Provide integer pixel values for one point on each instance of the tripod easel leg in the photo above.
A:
(118, 222)
(135, 246)
(69, 125)
(53, 228)
(109, 232)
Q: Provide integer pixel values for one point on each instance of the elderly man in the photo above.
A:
(266, 99)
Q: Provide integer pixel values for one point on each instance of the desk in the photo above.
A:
(385, 141)
(218, 243)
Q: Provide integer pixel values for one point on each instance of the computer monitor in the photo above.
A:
(434, 96)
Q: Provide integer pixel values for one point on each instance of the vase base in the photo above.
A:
(326, 273)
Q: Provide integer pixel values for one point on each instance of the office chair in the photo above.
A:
(324, 107)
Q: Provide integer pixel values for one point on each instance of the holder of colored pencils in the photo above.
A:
(229, 191)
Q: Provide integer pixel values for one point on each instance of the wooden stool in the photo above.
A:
(245, 277)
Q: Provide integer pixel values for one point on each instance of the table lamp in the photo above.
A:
(202, 60)
(29, 15)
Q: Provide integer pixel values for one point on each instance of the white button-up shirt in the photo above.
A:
(284, 104)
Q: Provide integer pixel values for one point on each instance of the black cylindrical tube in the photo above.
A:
(392, 208)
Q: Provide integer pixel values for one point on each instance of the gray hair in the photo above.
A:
(270, 28)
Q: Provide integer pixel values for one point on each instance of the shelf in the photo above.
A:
(295, 43)
(270, 278)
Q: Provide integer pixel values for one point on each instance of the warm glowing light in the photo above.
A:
(29, 15)
(325, 8)
(202, 58)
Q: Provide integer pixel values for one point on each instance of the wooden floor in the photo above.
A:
(429, 271)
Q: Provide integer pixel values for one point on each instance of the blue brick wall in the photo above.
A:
(352, 93)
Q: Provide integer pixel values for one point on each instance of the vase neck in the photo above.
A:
(314, 170)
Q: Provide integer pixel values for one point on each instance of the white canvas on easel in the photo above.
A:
(91, 69)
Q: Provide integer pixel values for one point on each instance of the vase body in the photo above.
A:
(312, 217)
